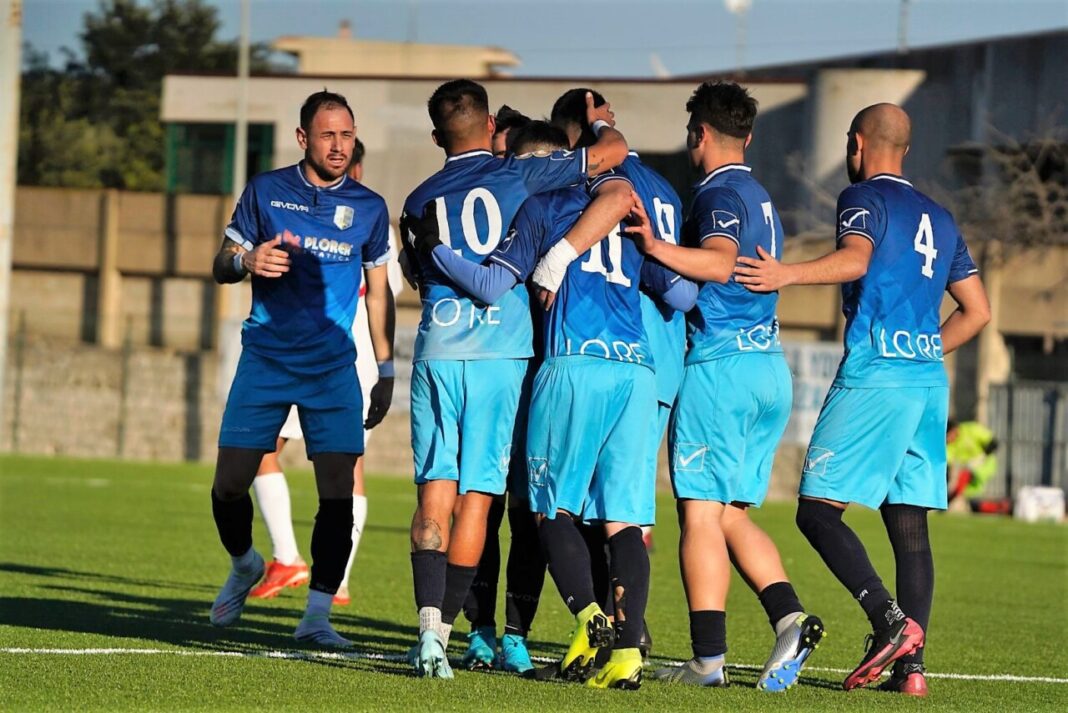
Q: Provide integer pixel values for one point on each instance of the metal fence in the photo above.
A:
(1030, 420)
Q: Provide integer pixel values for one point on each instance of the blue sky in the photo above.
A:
(611, 38)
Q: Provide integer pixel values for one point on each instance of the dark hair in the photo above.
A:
(357, 153)
(508, 119)
(570, 110)
(725, 106)
(456, 98)
(322, 100)
(535, 135)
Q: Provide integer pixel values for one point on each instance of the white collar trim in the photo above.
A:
(468, 154)
(888, 177)
(723, 169)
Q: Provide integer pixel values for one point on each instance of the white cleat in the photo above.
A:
(316, 629)
(231, 600)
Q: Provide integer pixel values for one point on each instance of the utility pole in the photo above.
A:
(228, 295)
(740, 10)
(10, 66)
(903, 28)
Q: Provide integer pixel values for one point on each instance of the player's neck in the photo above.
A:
(880, 165)
(718, 159)
(469, 146)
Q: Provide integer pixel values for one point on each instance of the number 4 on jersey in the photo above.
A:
(924, 245)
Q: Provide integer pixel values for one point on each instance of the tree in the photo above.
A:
(95, 123)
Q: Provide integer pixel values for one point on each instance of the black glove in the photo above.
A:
(421, 234)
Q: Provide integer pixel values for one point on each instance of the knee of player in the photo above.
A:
(813, 515)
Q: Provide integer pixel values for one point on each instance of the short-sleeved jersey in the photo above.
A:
(304, 318)
(893, 334)
(597, 311)
(729, 319)
(664, 326)
(477, 197)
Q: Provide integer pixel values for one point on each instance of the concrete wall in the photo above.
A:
(392, 120)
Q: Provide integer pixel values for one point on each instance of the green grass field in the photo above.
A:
(101, 555)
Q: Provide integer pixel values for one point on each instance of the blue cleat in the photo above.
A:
(431, 661)
(514, 655)
(481, 648)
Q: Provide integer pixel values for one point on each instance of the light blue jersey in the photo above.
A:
(664, 326)
(893, 333)
(476, 196)
(729, 319)
(303, 319)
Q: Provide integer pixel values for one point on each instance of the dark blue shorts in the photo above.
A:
(329, 404)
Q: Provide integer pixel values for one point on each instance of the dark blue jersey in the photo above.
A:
(893, 332)
(664, 326)
(303, 319)
(729, 319)
(597, 311)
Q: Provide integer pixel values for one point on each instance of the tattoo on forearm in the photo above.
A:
(593, 166)
(222, 268)
(427, 535)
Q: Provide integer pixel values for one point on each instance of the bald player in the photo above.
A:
(880, 437)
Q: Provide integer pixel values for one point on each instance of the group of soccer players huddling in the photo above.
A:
(571, 316)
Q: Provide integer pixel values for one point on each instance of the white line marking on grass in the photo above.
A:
(356, 656)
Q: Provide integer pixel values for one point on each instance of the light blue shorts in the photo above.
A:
(591, 423)
(880, 445)
(329, 404)
(652, 454)
(728, 421)
(518, 479)
(463, 418)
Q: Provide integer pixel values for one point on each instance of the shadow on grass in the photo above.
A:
(65, 573)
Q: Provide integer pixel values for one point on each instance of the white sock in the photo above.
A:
(272, 496)
(243, 563)
(359, 518)
(429, 618)
(445, 630)
(318, 603)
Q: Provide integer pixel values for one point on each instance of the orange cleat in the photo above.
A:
(342, 598)
(279, 576)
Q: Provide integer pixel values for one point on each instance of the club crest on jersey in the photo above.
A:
(343, 216)
(853, 219)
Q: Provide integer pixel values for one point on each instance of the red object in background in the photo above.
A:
(996, 506)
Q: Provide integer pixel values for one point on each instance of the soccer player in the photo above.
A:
(470, 359)
(734, 400)
(664, 326)
(591, 418)
(303, 232)
(880, 438)
(287, 568)
(525, 569)
(505, 120)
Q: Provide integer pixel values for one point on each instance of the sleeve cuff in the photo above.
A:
(719, 235)
(605, 178)
(232, 233)
(507, 265)
(843, 236)
(377, 262)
